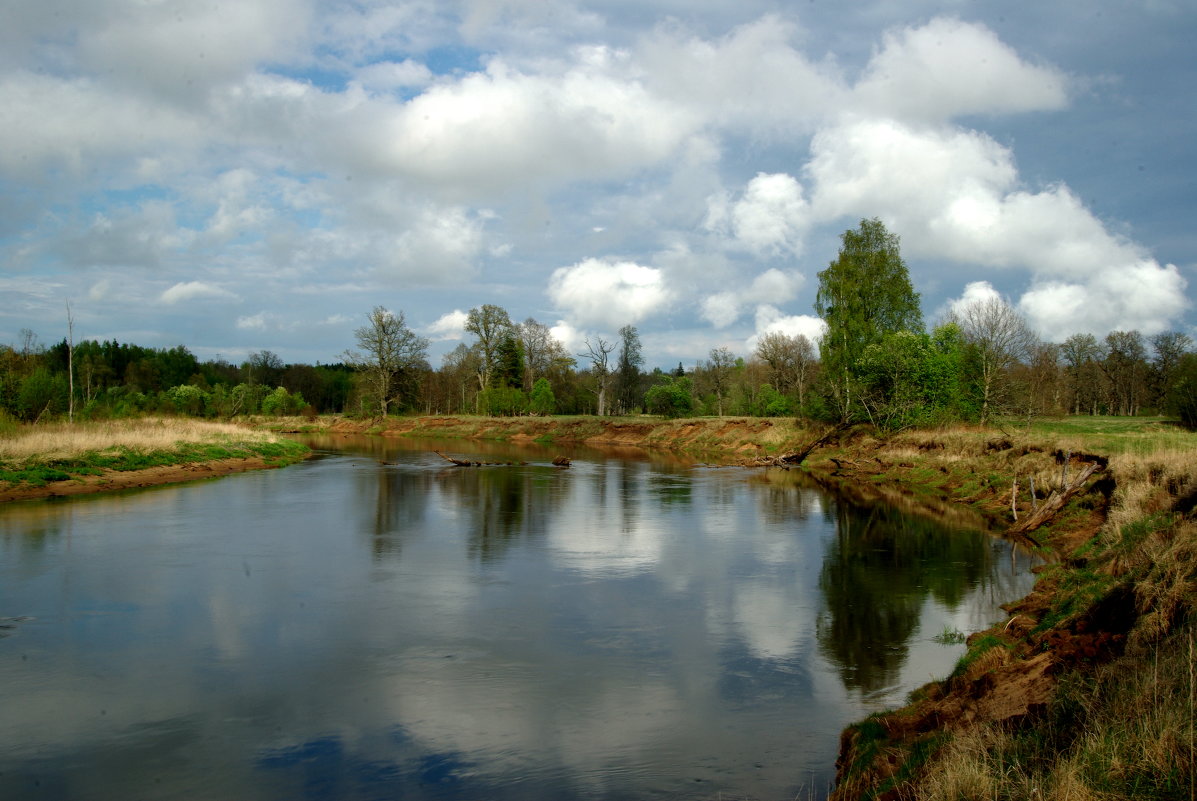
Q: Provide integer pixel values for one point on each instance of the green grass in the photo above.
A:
(124, 459)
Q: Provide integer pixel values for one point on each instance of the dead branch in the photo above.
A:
(468, 463)
(1056, 500)
(797, 457)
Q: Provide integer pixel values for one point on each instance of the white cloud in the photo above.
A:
(954, 195)
(771, 320)
(974, 292)
(769, 218)
(254, 322)
(608, 293)
(391, 75)
(772, 286)
(448, 326)
(570, 337)
(1142, 296)
(194, 290)
(721, 80)
(504, 128)
(948, 68)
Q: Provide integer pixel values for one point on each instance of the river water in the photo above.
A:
(378, 624)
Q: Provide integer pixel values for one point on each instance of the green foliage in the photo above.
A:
(280, 403)
(912, 379)
(542, 401)
(864, 296)
(502, 401)
(1182, 398)
(670, 396)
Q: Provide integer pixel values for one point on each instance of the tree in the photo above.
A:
(392, 352)
(627, 370)
(864, 296)
(1082, 354)
(542, 400)
(599, 353)
(491, 324)
(720, 370)
(791, 360)
(670, 396)
(1169, 347)
(263, 367)
(999, 338)
(1125, 366)
(509, 363)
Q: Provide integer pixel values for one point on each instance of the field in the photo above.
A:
(73, 455)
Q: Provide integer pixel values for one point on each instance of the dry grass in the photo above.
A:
(1125, 732)
(64, 441)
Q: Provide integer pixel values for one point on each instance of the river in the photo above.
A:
(375, 623)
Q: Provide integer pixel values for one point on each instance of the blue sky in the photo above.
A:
(258, 174)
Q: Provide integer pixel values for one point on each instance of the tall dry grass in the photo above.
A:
(1126, 732)
(68, 441)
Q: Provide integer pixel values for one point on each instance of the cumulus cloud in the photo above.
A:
(448, 326)
(955, 195)
(1142, 296)
(611, 293)
(502, 128)
(948, 68)
(772, 286)
(974, 292)
(720, 80)
(194, 290)
(771, 320)
(769, 218)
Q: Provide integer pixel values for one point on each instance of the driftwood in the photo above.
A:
(1056, 500)
(468, 463)
(796, 458)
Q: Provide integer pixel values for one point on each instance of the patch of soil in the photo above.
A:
(112, 480)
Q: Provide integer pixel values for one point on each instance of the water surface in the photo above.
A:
(375, 623)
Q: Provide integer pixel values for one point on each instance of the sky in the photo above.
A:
(246, 175)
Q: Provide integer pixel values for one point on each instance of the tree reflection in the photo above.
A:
(877, 574)
(503, 504)
(396, 502)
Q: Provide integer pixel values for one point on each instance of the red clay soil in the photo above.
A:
(111, 480)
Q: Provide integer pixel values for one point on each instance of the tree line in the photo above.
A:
(876, 362)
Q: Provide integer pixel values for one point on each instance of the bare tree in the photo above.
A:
(392, 352)
(1001, 338)
(1125, 366)
(1082, 355)
(599, 354)
(791, 360)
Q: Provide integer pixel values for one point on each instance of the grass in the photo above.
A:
(47, 453)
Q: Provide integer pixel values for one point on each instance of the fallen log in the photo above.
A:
(468, 463)
(1056, 500)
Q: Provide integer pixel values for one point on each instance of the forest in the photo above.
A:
(876, 363)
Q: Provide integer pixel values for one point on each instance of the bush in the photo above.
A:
(670, 397)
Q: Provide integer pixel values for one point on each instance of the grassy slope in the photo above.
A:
(1087, 690)
(40, 454)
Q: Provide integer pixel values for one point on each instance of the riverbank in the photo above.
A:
(47, 461)
(1087, 688)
